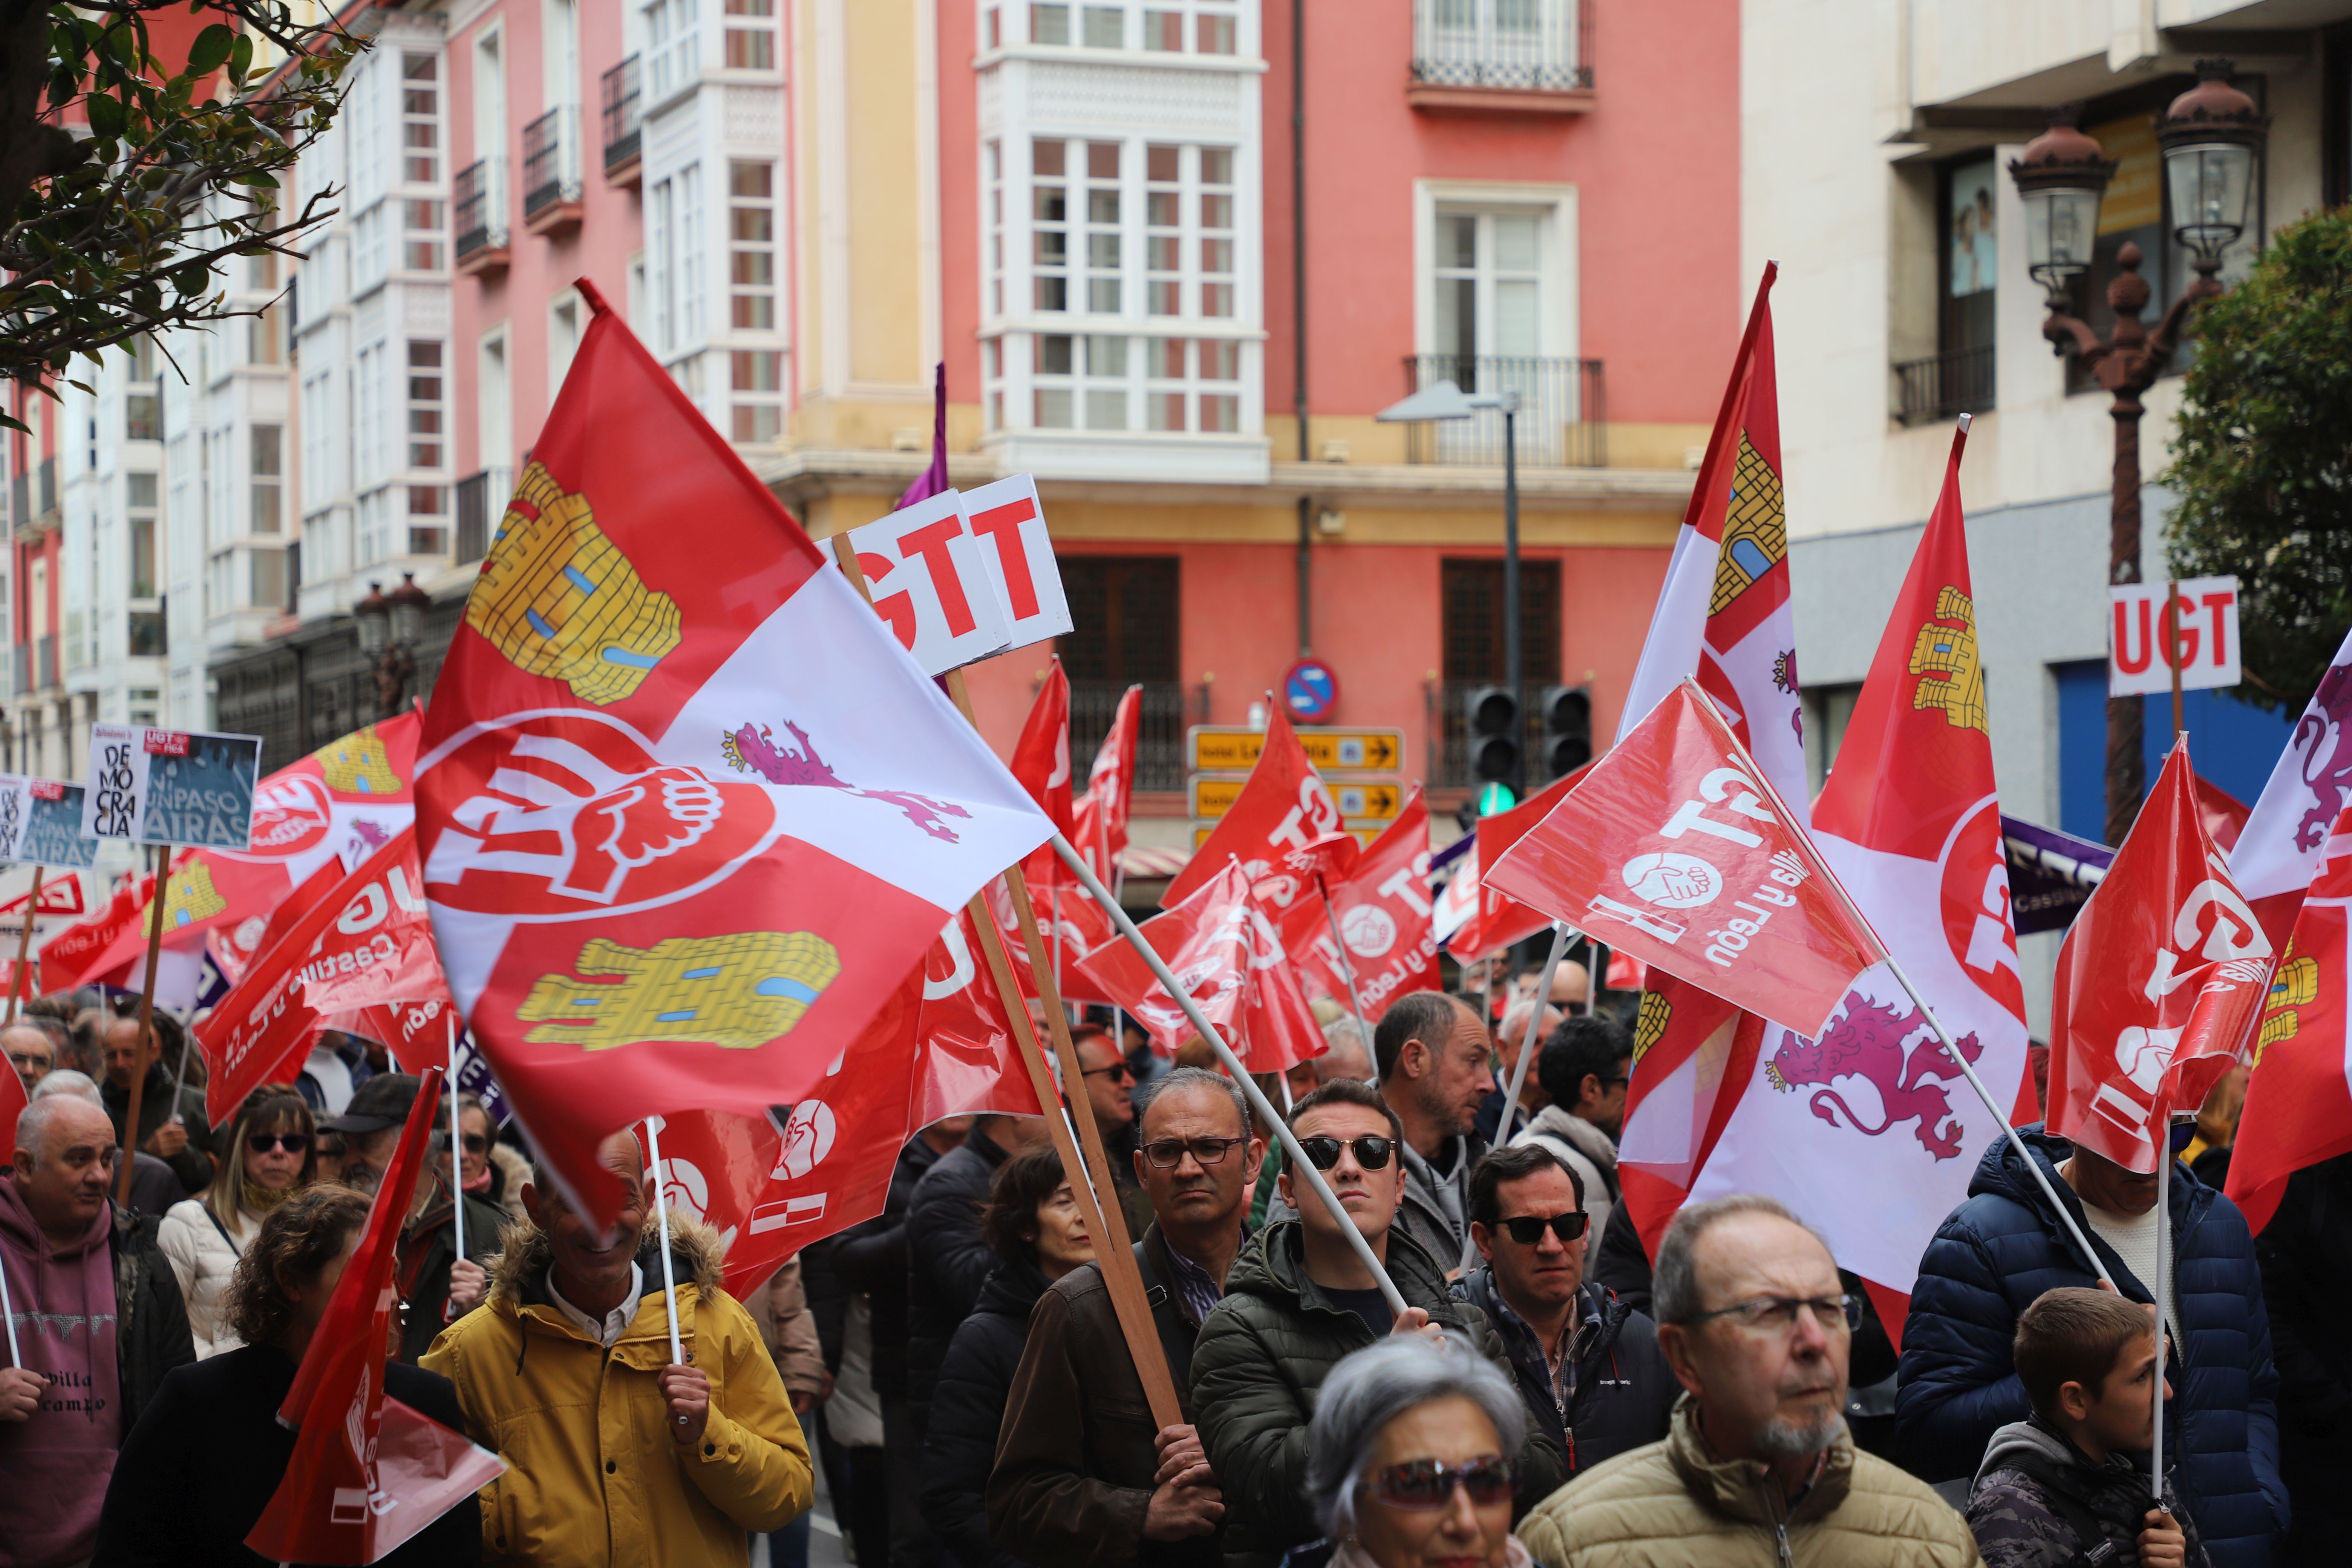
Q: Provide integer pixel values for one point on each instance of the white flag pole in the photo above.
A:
(458, 1151)
(1291, 1152)
(2163, 1268)
(661, 1218)
(15, 1357)
(1541, 1000)
(1346, 968)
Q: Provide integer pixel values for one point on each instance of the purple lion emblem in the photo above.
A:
(750, 750)
(2324, 736)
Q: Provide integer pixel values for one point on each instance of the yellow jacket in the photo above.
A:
(593, 1479)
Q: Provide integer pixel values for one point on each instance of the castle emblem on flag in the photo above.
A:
(754, 751)
(1755, 529)
(1649, 1024)
(1866, 1041)
(558, 599)
(2295, 985)
(190, 895)
(1945, 658)
(358, 764)
(740, 991)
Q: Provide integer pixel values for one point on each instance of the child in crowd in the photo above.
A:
(2069, 1486)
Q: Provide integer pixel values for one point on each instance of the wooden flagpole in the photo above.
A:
(1098, 1197)
(24, 944)
(146, 1026)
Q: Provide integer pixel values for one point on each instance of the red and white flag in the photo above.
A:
(66, 958)
(2279, 851)
(1041, 760)
(1282, 807)
(1910, 821)
(1223, 946)
(2298, 1108)
(688, 813)
(367, 1473)
(1670, 849)
(1101, 831)
(2159, 981)
(1383, 910)
(1471, 932)
(362, 938)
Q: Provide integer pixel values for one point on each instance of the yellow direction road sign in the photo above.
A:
(1365, 832)
(1213, 797)
(1234, 749)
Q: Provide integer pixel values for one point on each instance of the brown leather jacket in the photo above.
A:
(1076, 1456)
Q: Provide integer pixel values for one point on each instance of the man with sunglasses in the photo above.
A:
(1588, 1365)
(1082, 1474)
(1758, 1467)
(1110, 1091)
(1299, 1299)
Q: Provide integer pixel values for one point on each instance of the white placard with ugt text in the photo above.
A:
(963, 577)
(171, 786)
(2144, 643)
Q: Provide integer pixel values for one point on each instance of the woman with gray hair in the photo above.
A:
(1410, 1460)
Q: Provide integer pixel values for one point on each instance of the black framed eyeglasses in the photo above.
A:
(1777, 1314)
(1169, 1152)
(1423, 1484)
(1528, 1229)
(1372, 1152)
(263, 1142)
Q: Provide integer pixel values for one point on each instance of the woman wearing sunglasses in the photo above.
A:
(276, 1156)
(1410, 1461)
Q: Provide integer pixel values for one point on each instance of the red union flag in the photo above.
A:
(1041, 760)
(1673, 850)
(1101, 831)
(1479, 921)
(74, 952)
(367, 1473)
(1384, 913)
(2299, 1095)
(2159, 981)
(1282, 807)
(360, 939)
(688, 813)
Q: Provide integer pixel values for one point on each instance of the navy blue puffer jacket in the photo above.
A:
(2004, 1248)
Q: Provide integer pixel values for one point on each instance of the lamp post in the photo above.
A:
(1445, 400)
(2212, 138)
(389, 627)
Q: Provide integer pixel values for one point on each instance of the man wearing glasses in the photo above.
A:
(1081, 1474)
(1299, 1300)
(1757, 1464)
(1588, 1365)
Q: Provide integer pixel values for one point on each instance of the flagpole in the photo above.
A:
(1346, 968)
(25, 943)
(1541, 1000)
(661, 1219)
(2163, 1261)
(1292, 1154)
(458, 1172)
(15, 1357)
(146, 1027)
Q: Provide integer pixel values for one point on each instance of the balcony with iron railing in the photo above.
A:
(1944, 384)
(550, 170)
(481, 502)
(1514, 57)
(624, 133)
(1159, 732)
(478, 216)
(1563, 414)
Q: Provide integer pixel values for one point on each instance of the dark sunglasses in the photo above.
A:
(1169, 1152)
(1371, 1152)
(1117, 1070)
(475, 1143)
(1426, 1484)
(263, 1142)
(1528, 1229)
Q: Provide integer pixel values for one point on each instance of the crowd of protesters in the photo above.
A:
(1555, 1390)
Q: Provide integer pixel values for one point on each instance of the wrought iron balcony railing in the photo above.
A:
(550, 160)
(624, 135)
(1562, 418)
(478, 208)
(1527, 46)
(1941, 385)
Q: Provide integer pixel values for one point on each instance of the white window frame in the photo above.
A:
(1559, 328)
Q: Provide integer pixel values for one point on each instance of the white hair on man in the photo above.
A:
(65, 1080)
(1349, 1054)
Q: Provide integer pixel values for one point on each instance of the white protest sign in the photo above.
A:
(1009, 522)
(171, 786)
(2145, 640)
(40, 823)
(923, 568)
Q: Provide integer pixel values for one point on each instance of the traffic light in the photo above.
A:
(1567, 714)
(1490, 740)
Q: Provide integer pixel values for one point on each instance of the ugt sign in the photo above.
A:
(2150, 632)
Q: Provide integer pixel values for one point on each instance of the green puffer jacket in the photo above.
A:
(1672, 1504)
(1264, 1351)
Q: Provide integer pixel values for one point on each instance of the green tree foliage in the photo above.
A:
(2263, 459)
(120, 226)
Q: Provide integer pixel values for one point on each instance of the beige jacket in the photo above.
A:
(790, 1330)
(1673, 1505)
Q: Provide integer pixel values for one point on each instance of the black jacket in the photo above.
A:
(967, 1408)
(150, 1320)
(427, 1248)
(872, 1257)
(190, 1164)
(1618, 1262)
(1625, 1392)
(2306, 1254)
(206, 1456)
(946, 1260)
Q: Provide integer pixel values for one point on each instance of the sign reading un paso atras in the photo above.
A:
(171, 786)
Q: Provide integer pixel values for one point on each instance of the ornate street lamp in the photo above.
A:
(389, 627)
(373, 615)
(2212, 140)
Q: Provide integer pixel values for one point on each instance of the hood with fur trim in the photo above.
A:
(518, 1273)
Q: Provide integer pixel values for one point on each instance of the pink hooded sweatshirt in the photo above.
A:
(55, 1467)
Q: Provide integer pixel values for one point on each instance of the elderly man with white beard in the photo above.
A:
(1758, 1467)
